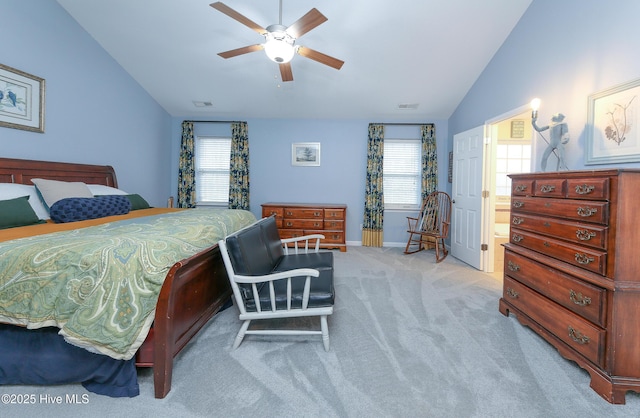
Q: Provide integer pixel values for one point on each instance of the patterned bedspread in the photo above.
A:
(100, 284)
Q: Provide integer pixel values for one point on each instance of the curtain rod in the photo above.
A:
(211, 121)
(403, 124)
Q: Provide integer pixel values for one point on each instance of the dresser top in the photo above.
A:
(576, 173)
(306, 205)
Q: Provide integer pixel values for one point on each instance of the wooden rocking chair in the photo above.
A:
(431, 224)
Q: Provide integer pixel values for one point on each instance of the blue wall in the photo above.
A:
(95, 112)
(340, 177)
(561, 52)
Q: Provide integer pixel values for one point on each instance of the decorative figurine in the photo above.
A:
(558, 137)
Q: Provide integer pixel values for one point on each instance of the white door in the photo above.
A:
(467, 214)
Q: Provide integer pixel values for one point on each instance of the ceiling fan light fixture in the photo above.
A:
(279, 45)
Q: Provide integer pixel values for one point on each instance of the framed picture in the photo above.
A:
(305, 153)
(517, 128)
(21, 100)
(613, 133)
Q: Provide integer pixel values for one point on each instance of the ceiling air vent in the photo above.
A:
(202, 104)
(404, 106)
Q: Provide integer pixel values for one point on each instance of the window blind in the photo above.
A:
(212, 170)
(402, 181)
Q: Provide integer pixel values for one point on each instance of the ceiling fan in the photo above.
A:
(280, 40)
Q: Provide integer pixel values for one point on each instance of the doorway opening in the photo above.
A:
(512, 137)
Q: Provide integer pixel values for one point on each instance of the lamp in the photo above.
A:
(279, 45)
(535, 105)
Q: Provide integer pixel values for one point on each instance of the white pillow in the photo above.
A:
(99, 189)
(14, 190)
(54, 190)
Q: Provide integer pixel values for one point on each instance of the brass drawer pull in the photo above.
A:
(586, 212)
(317, 214)
(518, 204)
(512, 293)
(517, 221)
(546, 244)
(547, 188)
(512, 266)
(289, 223)
(579, 299)
(585, 235)
(517, 238)
(584, 259)
(520, 188)
(577, 336)
(584, 189)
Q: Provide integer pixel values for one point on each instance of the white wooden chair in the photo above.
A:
(292, 292)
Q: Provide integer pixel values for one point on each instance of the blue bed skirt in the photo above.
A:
(42, 357)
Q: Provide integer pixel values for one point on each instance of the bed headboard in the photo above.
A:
(14, 170)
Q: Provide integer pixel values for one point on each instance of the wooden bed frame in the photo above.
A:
(194, 289)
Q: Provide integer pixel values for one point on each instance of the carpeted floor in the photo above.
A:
(409, 338)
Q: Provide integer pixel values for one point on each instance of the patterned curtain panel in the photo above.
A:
(239, 168)
(374, 199)
(429, 160)
(186, 169)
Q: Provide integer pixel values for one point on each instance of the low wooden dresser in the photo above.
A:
(298, 219)
(572, 270)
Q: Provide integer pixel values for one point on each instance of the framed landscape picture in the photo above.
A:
(613, 134)
(21, 100)
(305, 153)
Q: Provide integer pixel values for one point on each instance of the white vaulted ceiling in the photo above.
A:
(401, 52)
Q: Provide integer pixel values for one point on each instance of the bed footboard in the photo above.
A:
(194, 290)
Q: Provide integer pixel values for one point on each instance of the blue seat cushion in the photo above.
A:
(319, 261)
(321, 293)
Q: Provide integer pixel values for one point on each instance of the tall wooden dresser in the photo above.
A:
(572, 270)
(298, 219)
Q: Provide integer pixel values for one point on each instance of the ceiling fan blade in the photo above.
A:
(285, 72)
(240, 51)
(221, 7)
(320, 57)
(312, 19)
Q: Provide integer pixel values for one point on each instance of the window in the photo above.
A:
(511, 158)
(212, 170)
(402, 180)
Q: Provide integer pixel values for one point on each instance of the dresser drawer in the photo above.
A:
(334, 214)
(583, 257)
(290, 233)
(522, 187)
(576, 332)
(306, 213)
(584, 211)
(302, 223)
(580, 233)
(578, 296)
(549, 188)
(330, 237)
(272, 210)
(334, 224)
(588, 188)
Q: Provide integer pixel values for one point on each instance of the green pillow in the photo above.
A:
(137, 202)
(17, 212)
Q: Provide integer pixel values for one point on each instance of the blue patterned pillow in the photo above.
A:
(74, 209)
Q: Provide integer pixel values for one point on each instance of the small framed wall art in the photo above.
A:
(21, 100)
(613, 130)
(305, 153)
